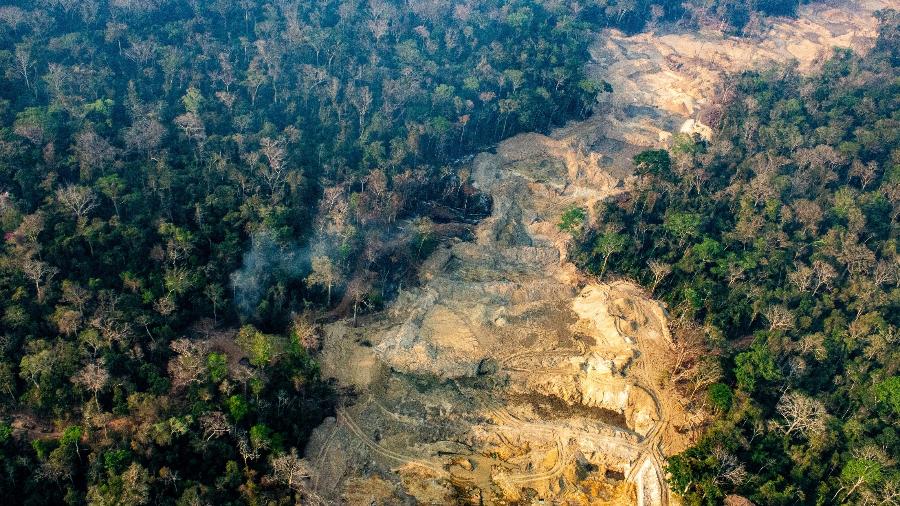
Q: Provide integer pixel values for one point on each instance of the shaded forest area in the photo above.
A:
(185, 186)
(776, 248)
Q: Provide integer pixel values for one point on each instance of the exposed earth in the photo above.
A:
(506, 375)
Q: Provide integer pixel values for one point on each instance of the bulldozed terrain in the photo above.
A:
(507, 376)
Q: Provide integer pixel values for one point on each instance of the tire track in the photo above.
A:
(344, 418)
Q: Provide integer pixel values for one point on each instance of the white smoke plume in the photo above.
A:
(266, 261)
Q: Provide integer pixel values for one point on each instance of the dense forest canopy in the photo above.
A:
(186, 186)
(776, 248)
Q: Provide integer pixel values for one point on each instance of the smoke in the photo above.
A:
(267, 261)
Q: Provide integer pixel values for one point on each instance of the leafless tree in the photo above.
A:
(856, 257)
(247, 451)
(707, 372)
(136, 485)
(333, 209)
(145, 136)
(766, 167)
(141, 51)
(31, 130)
(290, 469)
(274, 173)
(779, 318)
(823, 275)
(886, 272)
(29, 230)
(93, 152)
(74, 294)
(12, 16)
(887, 493)
(79, 200)
(818, 166)
(255, 78)
(813, 344)
(688, 341)
(170, 477)
(39, 273)
(226, 73)
(802, 278)
(362, 99)
(809, 214)
(801, 414)
(111, 327)
(93, 377)
(736, 272)
(380, 15)
(57, 78)
(115, 32)
(227, 98)
(23, 63)
(660, 270)
(271, 53)
(67, 320)
(731, 470)
(164, 305)
(215, 425)
(189, 366)
(192, 126)
(864, 172)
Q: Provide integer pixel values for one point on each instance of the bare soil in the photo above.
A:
(508, 376)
